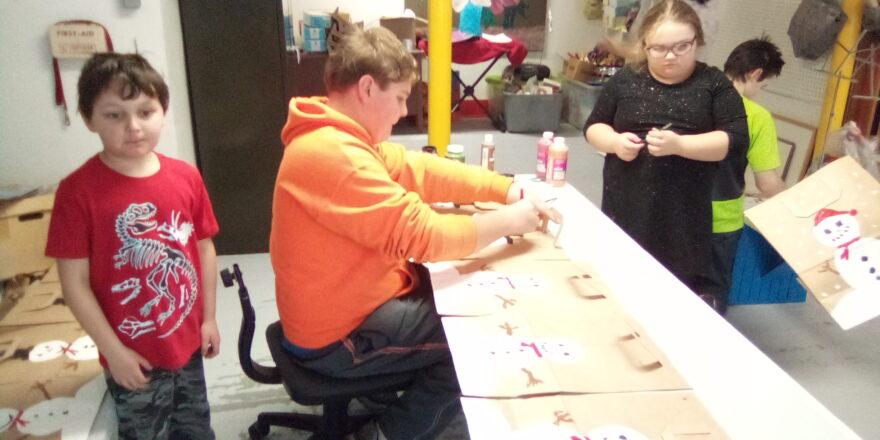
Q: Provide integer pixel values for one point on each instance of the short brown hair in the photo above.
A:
(757, 53)
(667, 10)
(134, 74)
(376, 52)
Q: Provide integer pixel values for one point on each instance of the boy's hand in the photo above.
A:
(521, 217)
(545, 211)
(516, 193)
(125, 367)
(663, 142)
(627, 146)
(210, 339)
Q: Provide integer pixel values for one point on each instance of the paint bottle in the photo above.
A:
(543, 144)
(455, 152)
(557, 162)
(487, 150)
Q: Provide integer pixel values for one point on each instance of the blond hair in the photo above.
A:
(376, 52)
(667, 10)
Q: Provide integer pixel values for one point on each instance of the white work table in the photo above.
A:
(748, 395)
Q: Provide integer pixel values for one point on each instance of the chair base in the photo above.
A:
(324, 427)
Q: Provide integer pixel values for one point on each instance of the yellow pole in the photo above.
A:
(842, 65)
(439, 73)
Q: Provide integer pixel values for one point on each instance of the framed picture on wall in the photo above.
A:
(800, 137)
(795, 150)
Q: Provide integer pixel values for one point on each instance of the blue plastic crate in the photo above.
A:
(760, 275)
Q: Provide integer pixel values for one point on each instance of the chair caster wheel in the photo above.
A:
(258, 431)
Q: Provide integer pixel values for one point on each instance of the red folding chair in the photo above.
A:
(477, 50)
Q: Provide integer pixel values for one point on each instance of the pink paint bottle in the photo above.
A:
(543, 146)
(557, 162)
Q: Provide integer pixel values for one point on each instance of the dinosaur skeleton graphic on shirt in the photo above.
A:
(166, 262)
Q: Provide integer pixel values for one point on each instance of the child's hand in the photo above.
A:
(548, 212)
(544, 210)
(522, 217)
(125, 367)
(210, 339)
(627, 146)
(663, 142)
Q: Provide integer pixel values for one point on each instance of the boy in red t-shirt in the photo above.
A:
(131, 230)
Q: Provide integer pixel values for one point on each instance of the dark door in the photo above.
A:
(236, 71)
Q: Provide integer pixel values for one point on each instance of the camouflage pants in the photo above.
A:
(174, 406)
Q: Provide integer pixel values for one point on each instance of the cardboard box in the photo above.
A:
(405, 28)
(315, 45)
(827, 227)
(578, 70)
(314, 33)
(618, 3)
(318, 19)
(24, 229)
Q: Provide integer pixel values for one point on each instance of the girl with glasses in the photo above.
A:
(622, 45)
(665, 121)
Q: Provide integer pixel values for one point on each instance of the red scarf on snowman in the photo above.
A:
(825, 213)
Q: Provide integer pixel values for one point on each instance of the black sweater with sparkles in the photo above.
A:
(665, 203)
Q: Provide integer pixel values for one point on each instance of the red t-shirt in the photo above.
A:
(141, 238)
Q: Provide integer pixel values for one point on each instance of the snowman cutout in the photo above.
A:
(46, 351)
(46, 417)
(51, 415)
(8, 418)
(856, 258)
(82, 349)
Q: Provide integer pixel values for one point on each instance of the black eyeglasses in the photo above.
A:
(678, 49)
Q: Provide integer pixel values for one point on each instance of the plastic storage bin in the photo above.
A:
(760, 275)
(496, 98)
(524, 113)
(579, 101)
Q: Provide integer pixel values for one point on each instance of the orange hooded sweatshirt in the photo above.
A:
(348, 215)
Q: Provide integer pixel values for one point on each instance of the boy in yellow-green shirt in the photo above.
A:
(750, 66)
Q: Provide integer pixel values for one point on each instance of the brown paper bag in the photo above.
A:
(827, 228)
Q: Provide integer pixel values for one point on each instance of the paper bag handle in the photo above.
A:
(808, 201)
(587, 287)
(51, 297)
(636, 350)
(8, 347)
(687, 433)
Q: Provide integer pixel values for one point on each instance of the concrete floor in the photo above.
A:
(840, 368)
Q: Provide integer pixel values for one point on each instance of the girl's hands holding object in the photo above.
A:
(627, 146)
(663, 142)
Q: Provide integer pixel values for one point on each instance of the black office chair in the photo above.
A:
(304, 386)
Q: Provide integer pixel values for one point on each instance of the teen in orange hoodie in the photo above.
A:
(350, 218)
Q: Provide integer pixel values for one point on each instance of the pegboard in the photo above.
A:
(799, 91)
